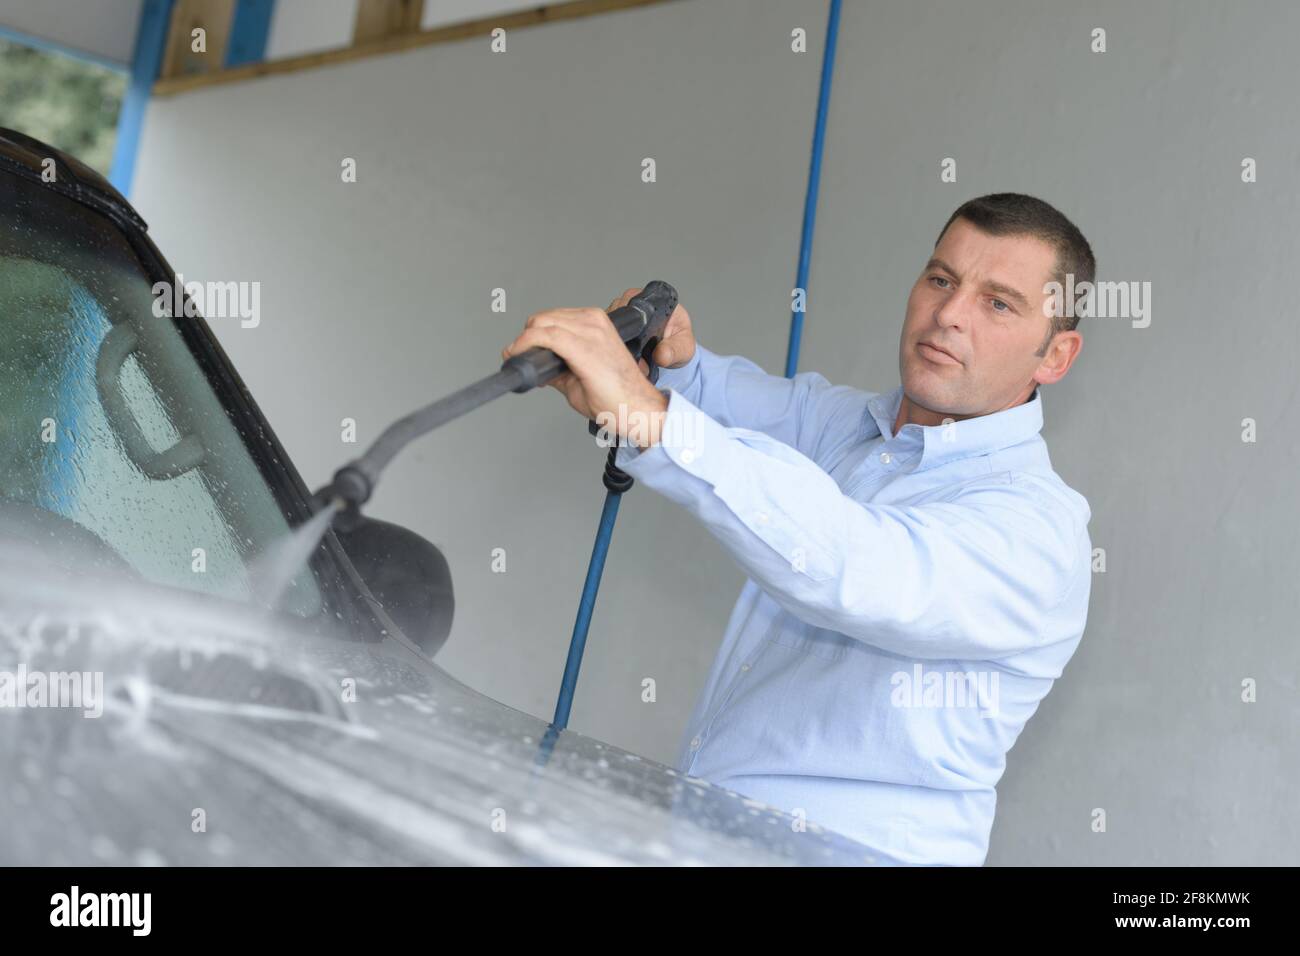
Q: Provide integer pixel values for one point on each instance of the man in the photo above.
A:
(918, 573)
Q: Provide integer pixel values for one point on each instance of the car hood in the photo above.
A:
(228, 736)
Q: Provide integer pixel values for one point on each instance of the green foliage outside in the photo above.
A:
(68, 103)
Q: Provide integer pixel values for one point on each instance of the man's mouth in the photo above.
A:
(937, 355)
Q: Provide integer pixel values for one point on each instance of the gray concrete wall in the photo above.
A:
(522, 171)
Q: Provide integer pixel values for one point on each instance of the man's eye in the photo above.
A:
(940, 279)
(1000, 306)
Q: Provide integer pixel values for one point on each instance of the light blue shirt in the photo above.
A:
(911, 598)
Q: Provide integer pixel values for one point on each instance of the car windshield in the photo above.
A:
(111, 436)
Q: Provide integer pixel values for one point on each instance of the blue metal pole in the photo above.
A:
(250, 27)
(606, 530)
(814, 183)
(595, 567)
(150, 40)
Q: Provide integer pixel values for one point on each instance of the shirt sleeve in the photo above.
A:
(973, 578)
(806, 412)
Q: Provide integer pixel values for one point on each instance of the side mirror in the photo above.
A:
(408, 575)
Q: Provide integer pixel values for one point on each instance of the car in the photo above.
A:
(159, 707)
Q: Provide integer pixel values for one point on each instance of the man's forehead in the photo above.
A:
(1020, 260)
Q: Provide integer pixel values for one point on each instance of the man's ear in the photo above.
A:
(1061, 353)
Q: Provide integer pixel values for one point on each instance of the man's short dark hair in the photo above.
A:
(1015, 214)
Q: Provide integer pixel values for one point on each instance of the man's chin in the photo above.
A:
(931, 396)
(929, 386)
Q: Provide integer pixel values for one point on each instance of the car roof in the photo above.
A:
(76, 178)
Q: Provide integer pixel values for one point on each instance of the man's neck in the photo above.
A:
(910, 413)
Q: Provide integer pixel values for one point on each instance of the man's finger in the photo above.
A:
(557, 338)
(622, 300)
(677, 321)
(546, 317)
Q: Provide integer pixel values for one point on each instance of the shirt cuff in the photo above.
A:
(679, 378)
(685, 435)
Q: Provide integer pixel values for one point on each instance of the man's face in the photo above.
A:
(981, 299)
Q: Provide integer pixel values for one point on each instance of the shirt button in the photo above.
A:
(744, 667)
(885, 458)
(687, 456)
(761, 517)
(695, 744)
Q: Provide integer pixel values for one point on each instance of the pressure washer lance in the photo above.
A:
(639, 324)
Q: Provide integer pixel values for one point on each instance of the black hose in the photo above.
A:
(355, 481)
(638, 323)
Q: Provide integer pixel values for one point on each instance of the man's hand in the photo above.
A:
(603, 381)
(677, 344)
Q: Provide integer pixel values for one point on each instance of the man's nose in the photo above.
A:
(955, 311)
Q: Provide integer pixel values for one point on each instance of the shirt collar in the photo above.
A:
(960, 439)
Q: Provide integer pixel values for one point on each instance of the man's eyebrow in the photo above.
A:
(1005, 291)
